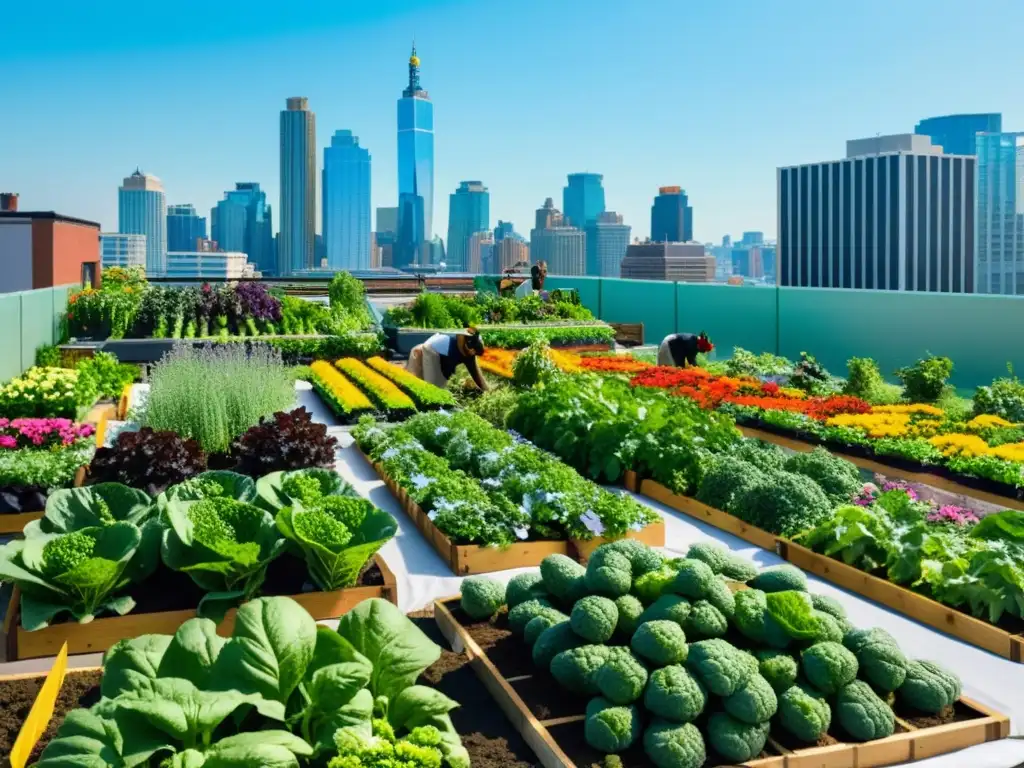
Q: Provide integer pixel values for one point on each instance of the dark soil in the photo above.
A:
(508, 653)
(15, 499)
(958, 713)
(168, 590)
(785, 739)
(17, 697)
(486, 733)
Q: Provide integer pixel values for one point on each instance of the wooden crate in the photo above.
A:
(880, 467)
(721, 520)
(471, 559)
(918, 607)
(630, 481)
(100, 634)
(629, 333)
(914, 744)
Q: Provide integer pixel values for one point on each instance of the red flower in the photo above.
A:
(770, 388)
(823, 408)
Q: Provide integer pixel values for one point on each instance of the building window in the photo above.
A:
(89, 273)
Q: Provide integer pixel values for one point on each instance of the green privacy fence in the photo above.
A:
(29, 319)
(981, 334)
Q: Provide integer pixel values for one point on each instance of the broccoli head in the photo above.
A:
(720, 596)
(693, 579)
(564, 578)
(520, 616)
(622, 678)
(230, 528)
(755, 623)
(829, 666)
(780, 578)
(674, 745)
(630, 610)
(552, 641)
(482, 597)
(711, 553)
(720, 666)
(779, 668)
(928, 687)
(523, 587)
(674, 694)
(767, 457)
(594, 618)
(754, 703)
(536, 625)
(804, 713)
(726, 480)
(738, 568)
(660, 642)
(734, 739)
(642, 558)
(785, 504)
(653, 585)
(66, 552)
(576, 669)
(667, 608)
(705, 621)
(838, 478)
(862, 714)
(828, 605)
(882, 663)
(829, 627)
(608, 573)
(611, 728)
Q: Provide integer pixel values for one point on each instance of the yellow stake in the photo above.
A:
(41, 712)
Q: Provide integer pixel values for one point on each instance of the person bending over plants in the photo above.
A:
(680, 350)
(436, 359)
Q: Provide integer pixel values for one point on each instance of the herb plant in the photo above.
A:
(284, 441)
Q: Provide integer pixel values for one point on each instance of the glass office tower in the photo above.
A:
(415, 169)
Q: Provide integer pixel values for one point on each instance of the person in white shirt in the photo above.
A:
(436, 359)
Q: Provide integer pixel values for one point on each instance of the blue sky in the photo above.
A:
(711, 95)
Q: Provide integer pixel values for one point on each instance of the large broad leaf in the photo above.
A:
(417, 704)
(181, 710)
(72, 509)
(271, 647)
(192, 652)
(266, 749)
(338, 567)
(270, 492)
(1008, 524)
(356, 716)
(231, 485)
(84, 740)
(794, 612)
(395, 646)
(129, 661)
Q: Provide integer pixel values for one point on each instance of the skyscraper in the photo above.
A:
(956, 134)
(142, 210)
(1000, 219)
(346, 203)
(583, 199)
(607, 241)
(242, 223)
(118, 250)
(415, 169)
(503, 230)
(469, 212)
(480, 253)
(554, 241)
(896, 214)
(671, 216)
(184, 227)
(298, 187)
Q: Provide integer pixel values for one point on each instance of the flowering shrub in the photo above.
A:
(42, 433)
(960, 445)
(613, 364)
(952, 515)
(46, 392)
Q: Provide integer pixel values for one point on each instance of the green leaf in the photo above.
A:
(271, 647)
(37, 613)
(355, 716)
(127, 660)
(416, 705)
(258, 749)
(395, 646)
(84, 740)
(332, 648)
(794, 612)
(181, 710)
(271, 496)
(72, 509)
(1008, 524)
(192, 652)
(232, 484)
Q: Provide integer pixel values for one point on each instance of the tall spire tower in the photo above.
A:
(415, 170)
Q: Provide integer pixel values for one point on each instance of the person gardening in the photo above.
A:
(538, 273)
(436, 359)
(679, 350)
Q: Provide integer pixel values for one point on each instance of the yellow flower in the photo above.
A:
(912, 409)
(1009, 452)
(960, 445)
(987, 421)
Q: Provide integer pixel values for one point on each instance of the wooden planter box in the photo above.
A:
(721, 520)
(911, 745)
(880, 466)
(918, 607)
(631, 481)
(471, 559)
(100, 634)
(15, 523)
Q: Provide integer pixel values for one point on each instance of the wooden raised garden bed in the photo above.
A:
(1009, 645)
(695, 509)
(101, 633)
(471, 559)
(552, 722)
(989, 491)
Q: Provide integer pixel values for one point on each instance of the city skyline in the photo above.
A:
(350, 64)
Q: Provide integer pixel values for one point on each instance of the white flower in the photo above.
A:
(527, 506)
(592, 522)
(491, 482)
(441, 430)
(552, 496)
(522, 533)
(636, 527)
(419, 480)
(443, 412)
(431, 515)
(390, 453)
(641, 413)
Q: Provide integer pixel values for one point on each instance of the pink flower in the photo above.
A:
(6, 441)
